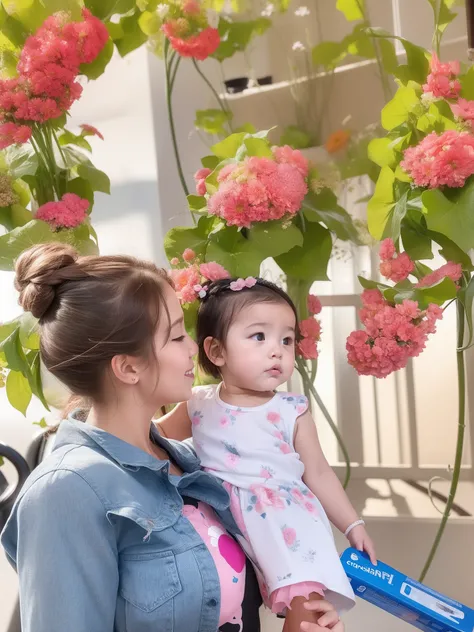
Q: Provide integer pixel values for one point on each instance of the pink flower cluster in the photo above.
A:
(449, 270)
(394, 266)
(199, 46)
(441, 160)
(200, 180)
(69, 212)
(310, 330)
(443, 82)
(392, 335)
(260, 189)
(49, 64)
(90, 130)
(464, 111)
(188, 30)
(190, 281)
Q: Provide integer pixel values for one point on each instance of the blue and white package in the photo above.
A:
(404, 597)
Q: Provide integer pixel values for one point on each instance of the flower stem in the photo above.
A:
(310, 386)
(460, 437)
(169, 91)
(226, 111)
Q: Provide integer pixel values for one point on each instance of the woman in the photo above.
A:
(119, 529)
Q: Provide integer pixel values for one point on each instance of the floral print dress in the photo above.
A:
(285, 530)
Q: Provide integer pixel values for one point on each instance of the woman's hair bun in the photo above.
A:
(38, 272)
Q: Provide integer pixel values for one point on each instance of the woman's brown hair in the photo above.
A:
(89, 309)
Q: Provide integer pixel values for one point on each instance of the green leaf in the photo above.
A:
(380, 207)
(381, 152)
(416, 242)
(29, 335)
(452, 218)
(68, 138)
(212, 121)
(399, 108)
(258, 147)
(328, 54)
(25, 364)
(83, 189)
(228, 147)
(149, 22)
(295, 137)
(451, 251)
(309, 262)
(178, 239)
(97, 67)
(104, 9)
(439, 293)
(22, 161)
(467, 84)
(210, 162)
(389, 56)
(13, 216)
(368, 284)
(13, 243)
(236, 36)
(323, 207)
(81, 238)
(417, 66)
(98, 180)
(196, 203)
(352, 9)
(227, 246)
(7, 329)
(242, 256)
(41, 423)
(18, 391)
(32, 13)
(443, 291)
(133, 37)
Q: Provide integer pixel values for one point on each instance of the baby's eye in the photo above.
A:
(288, 341)
(260, 336)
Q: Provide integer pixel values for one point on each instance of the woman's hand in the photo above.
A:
(360, 540)
(329, 619)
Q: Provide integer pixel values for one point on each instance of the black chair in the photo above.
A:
(37, 451)
(10, 492)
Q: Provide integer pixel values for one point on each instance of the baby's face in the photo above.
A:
(259, 351)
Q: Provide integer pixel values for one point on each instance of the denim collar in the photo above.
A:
(73, 431)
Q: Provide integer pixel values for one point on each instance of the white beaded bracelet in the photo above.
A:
(353, 526)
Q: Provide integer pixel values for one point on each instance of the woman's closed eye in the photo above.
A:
(179, 338)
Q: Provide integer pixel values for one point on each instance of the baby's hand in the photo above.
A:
(329, 619)
(360, 540)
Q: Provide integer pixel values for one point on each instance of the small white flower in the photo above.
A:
(162, 10)
(302, 12)
(269, 10)
(212, 18)
(427, 98)
(298, 46)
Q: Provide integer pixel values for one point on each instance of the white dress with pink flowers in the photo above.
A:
(286, 532)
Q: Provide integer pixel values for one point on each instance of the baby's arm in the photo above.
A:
(323, 482)
(176, 424)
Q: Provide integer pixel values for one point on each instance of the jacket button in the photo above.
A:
(212, 603)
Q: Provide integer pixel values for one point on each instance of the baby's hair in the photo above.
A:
(221, 305)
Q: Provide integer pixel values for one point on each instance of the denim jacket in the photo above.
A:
(100, 544)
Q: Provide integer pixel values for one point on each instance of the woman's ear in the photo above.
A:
(125, 369)
(214, 351)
